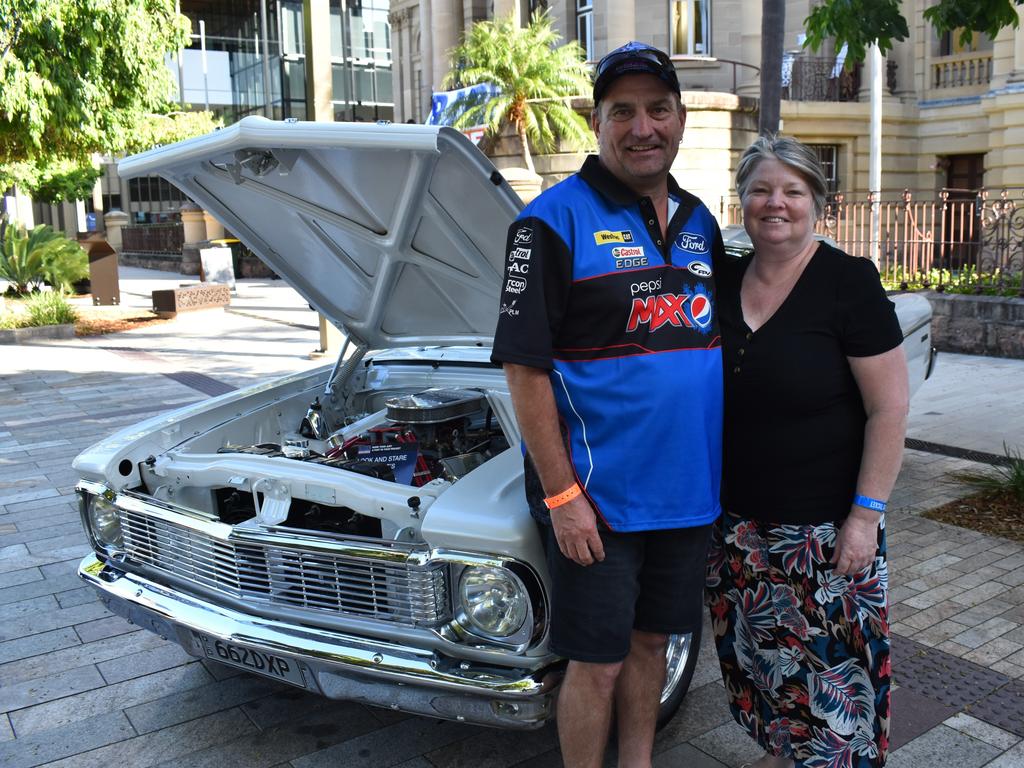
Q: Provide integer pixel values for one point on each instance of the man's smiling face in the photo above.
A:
(639, 124)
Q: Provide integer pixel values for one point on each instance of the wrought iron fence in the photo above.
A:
(153, 238)
(965, 237)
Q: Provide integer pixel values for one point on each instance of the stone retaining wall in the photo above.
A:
(977, 325)
(248, 266)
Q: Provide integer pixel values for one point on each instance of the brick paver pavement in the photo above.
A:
(84, 688)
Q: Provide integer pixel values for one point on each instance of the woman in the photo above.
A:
(816, 401)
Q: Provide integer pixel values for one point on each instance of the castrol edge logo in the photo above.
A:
(629, 256)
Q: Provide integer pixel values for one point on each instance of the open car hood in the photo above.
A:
(396, 233)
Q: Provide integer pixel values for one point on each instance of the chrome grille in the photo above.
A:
(361, 582)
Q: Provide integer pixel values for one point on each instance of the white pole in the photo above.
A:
(202, 46)
(181, 65)
(875, 161)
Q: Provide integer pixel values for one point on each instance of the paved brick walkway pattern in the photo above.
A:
(81, 687)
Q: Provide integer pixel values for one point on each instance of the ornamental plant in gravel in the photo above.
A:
(29, 259)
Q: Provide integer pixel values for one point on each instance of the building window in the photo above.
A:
(585, 27)
(950, 43)
(828, 157)
(362, 87)
(691, 27)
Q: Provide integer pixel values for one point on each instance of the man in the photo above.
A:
(609, 339)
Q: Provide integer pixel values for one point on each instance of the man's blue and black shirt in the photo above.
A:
(627, 323)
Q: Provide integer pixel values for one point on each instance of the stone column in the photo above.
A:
(749, 81)
(445, 29)
(399, 21)
(864, 94)
(316, 16)
(503, 8)
(214, 229)
(193, 233)
(1017, 75)
(316, 19)
(614, 24)
(114, 221)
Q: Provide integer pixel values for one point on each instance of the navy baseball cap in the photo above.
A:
(634, 58)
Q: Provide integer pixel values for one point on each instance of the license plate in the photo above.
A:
(259, 662)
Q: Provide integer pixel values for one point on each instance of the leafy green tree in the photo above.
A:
(861, 23)
(80, 77)
(536, 78)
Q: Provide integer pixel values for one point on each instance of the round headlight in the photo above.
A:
(494, 600)
(105, 523)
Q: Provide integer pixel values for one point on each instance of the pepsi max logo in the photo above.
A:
(700, 310)
(699, 268)
(692, 242)
(678, 310)
(645, 286)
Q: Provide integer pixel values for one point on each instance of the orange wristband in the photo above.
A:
(564, 497)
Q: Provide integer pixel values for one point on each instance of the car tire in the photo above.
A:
(681, 661)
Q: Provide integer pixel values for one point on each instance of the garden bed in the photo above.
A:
(997, 514)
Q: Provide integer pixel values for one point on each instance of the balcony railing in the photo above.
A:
(962, 69)
(817, 78)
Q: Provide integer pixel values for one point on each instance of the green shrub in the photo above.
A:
(963, 281)
(49, 308)
(1007, 477)
(28, 259)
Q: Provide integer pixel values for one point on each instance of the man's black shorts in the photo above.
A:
(652, 581)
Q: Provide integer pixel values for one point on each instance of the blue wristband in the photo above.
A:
(868, 503)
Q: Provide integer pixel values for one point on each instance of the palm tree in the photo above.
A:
(535, 78)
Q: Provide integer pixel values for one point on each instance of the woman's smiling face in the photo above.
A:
(778, 208)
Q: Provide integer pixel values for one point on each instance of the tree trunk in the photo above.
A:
(527, 157)
(773, 30)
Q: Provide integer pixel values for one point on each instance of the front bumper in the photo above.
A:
(334, 664)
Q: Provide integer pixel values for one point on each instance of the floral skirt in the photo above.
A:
(804, 651)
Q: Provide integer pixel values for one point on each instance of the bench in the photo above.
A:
(169, 302)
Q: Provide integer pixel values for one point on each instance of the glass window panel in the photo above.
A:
(295, 80)
(291, 28)
(384, 86)
(585, 33)
(690, 27)
(364, 84)
(339, 82)
(337, 46)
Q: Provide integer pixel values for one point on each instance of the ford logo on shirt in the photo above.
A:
(692, 243)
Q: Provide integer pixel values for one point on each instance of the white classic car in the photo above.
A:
(361, 530)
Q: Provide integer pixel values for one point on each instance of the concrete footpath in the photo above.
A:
(83, 688)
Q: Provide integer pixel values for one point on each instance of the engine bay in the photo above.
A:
(434, 434)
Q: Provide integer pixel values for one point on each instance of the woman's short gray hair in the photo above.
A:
(791, 153)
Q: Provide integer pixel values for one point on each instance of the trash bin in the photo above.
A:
(104, 283)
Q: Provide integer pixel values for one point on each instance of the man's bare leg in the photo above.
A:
(585, 712)
(638, 696)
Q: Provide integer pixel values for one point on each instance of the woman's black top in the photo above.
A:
(794, 417)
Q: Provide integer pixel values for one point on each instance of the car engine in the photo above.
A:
(433, 434)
